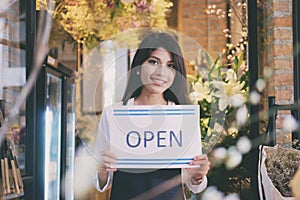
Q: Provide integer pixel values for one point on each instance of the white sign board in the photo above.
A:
(154, 136)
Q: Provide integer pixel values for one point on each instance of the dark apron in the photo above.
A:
(130, 185)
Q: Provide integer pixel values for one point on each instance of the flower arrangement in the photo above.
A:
(91, 21)
(282, 164)
(220, 88)
(220, 91)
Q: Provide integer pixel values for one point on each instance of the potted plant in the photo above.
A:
(277, 168)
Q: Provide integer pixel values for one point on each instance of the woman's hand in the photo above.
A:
(107, 158)
(196, 174)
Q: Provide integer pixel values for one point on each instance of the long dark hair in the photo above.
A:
(177, 92)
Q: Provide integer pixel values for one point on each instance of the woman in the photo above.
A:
(157, 77)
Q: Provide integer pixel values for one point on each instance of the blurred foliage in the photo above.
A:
(91, 21)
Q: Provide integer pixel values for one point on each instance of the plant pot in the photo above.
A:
(267, 190)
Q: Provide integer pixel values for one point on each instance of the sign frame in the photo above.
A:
(154, 137)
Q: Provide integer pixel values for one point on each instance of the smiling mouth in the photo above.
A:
(158, 82)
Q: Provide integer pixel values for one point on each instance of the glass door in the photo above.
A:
(68, 191)
(53, 136)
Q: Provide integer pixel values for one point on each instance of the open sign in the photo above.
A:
(154, 136)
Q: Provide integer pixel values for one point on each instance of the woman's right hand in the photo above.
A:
(107, 158)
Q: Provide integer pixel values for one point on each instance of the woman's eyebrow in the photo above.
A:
(170, 61)
(154, 57)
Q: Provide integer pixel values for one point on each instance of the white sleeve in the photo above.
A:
(194, 188)
(187, 180)
(107, 185)
(102, 143)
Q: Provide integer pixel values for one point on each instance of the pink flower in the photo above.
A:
(141, 6)
(135, 24)
(151, 8)
(110, 3)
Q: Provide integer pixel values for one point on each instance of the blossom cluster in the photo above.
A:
(222, 89)
(92, 21)
(232, 156)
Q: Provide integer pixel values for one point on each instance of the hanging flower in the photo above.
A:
(234, 158)
(290, 123)
(91, 21)
(241, 115)
(141, 6)
(254, 97)
(244, 145)
(212, 193)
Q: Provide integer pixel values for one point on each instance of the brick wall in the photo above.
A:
(276, 41)
(206, 29)
(277, 51)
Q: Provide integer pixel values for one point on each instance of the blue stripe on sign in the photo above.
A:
(148, 112)
(153, 161)
(151, 114)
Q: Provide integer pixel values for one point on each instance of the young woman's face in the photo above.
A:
(157, 72)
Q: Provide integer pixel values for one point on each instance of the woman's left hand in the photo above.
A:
(197, 173)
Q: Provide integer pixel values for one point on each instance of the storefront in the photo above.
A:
(43, 127)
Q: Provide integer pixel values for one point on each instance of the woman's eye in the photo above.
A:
(153, 62)
(171, 66)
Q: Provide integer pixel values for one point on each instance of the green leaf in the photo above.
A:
(212, 68)
(241, 59)
(208, 59)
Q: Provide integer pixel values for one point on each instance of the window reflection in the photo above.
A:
(13, 71)
(53, 137)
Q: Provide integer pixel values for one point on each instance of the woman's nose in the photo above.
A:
(162, 69)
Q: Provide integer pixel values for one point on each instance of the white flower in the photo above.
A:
(260, 84)
(243, 145)
(212, 193)
(220, 153)
(232, 197)
(200, 92)
(193, 96)
(254, 97)
(268, 72)
(237, 100)
(225, 90)
(241, 115)
(290, 123)
(231, 75)
(234, 158)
